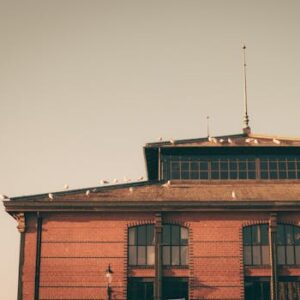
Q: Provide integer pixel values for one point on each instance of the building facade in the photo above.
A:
(218, 218)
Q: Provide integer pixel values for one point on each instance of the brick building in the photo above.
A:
(217, 219)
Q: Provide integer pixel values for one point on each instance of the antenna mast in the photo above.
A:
(246, 128)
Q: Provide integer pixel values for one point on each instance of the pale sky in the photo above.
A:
(85, 84)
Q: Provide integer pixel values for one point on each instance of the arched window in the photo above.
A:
(288, 244)
(141, 245)
(256, 245)
(175, 245)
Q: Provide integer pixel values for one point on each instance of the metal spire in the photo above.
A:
(246, 128)
(207, 126)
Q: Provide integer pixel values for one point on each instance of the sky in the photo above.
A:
(85, 84)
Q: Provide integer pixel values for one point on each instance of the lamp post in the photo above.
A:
(109, 277)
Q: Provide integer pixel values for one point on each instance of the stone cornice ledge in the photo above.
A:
(146, 206)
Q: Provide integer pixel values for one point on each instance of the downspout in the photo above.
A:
(38, 256)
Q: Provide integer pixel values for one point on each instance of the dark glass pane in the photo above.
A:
(203, 175)
(175, 235)
(166, 255)
(224, 175)
(251, 165)
(298, 164)
(185, 166)
(273, 175)
(214, 175)
(184, 236)
(297, 235)
(175, 175)
(264, 236)
(273, 165)
(141, 235)
(175, 166)
(132, 255)
(242, 175)
(247, 235)
(297, 251)
(292, 174)
(204, 165)
(251, 175)
(242, 165)
(247, 255)
(175, 255)
(290, 258)
(255, 234)
(256, 255)
(185, 175)
(289, 234)
(194, 166)
(265, 255)
(298, 174)
(280, 235)
(194, 175)
(150, 234)
(184, 255)
(291, 165)
(215, 165)
(233, 175)
(166, 234)
(282, 175)
(282, 165)
(224, 165)
(233, 165)
(132, 236)
(281, 255)
(264, 165)
(264, 175)
(150, 255)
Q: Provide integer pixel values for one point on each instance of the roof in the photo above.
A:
(171, 195)
(248, 140)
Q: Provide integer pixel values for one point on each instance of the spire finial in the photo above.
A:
(246, 128)
(207, 126)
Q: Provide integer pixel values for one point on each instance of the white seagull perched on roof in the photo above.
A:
(233, 195)
(167, 184)
(87, 192)
(66, 186)
(172, 141)
(229, 140)
(115, 180)
(275, 141)
(212, 140)
(50, 196)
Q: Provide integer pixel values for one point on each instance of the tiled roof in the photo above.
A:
(183, 191)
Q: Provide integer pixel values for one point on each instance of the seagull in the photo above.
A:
(50, 196)
(141, 178)
(167, 184)
(115, 180)
(66, 186)
(275, 141)
(221, 140)
(172, 142)
(3, 197)
(87, 192)
(233, 195)
(248, 140)
(229, 140)
(212, 139)
(131, 189)
(104, 181)
(255, 141)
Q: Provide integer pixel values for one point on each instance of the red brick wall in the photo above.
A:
(77, 248)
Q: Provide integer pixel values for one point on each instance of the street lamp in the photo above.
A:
(109, 277)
